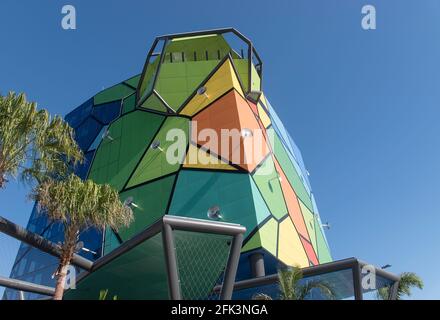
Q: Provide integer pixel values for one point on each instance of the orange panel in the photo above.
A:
(309, 250)
(229, 118)
(253, 108)
(292, 203)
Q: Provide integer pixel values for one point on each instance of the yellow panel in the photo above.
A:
(265, 237)
(290, 249)
(219, 83)
(264, 101)
(263, 116)
(197, 158)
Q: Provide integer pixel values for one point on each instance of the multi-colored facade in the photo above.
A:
(196, 83)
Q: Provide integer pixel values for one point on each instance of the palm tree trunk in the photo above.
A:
(61, 281)
(67, 251)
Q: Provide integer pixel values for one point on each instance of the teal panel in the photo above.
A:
(289, 169)
(116, 159)
(197, 191)
(138, 274)
(151, 201)
(267, 180)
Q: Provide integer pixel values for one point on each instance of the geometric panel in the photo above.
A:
(292, 203)
(197, 191)
(151, 201)
(289, 169)
(263, 115)
(265, 237)
(220, 82)
(268, 183)
(86, 133)
(198, 158)
(106, 113)
(118, 154)
(309, 251)
(97, 141)
(227, 118)
(291, 250)
(323, 251)
(154, 103)
(309, 219)
(155, 162)
(116, 92)
(129, 104)
(140, 272)
(76, 116)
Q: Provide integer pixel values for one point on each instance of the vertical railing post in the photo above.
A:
(171, 262)
(231, 268)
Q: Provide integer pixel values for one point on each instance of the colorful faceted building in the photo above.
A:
(191, 82)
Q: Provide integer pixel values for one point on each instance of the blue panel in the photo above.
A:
(98, 139)
(106, 113)
(82, 169)
(87, 132)
(271, 264)
(75, 117)
(291, 147)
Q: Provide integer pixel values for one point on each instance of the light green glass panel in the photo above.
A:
(267, 180)
(155, 163)
(119, 153)
(323, 250)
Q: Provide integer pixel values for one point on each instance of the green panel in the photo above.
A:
(201, 259)
(309, 219)
(151, 202)
(266, 237)
(148, 81)
(138, 274)
(267, 180)
(134, 81)
(177, 81)
(200, 45)
(289, 169)
(242, 66)
(114, 93)
(256, 82)
(197, 191)
(116, 159)
(323, 250)
(129, 104)
(154, 103)
(155, 164)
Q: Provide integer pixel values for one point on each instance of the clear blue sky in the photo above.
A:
(363, 106)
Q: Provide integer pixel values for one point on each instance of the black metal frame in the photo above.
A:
(166, 38)
(351, 263)
(166, 225)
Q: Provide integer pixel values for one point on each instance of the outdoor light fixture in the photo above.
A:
(155, 145)
(277, 177)
(326, 225)
(245, 133)
(129, 202)
(80, 246)
(106, 135)
(202, 92)
(214, 213)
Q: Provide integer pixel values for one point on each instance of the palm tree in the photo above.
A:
(290, 288)
(79, 205)
(408, 280)
(32, 144)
